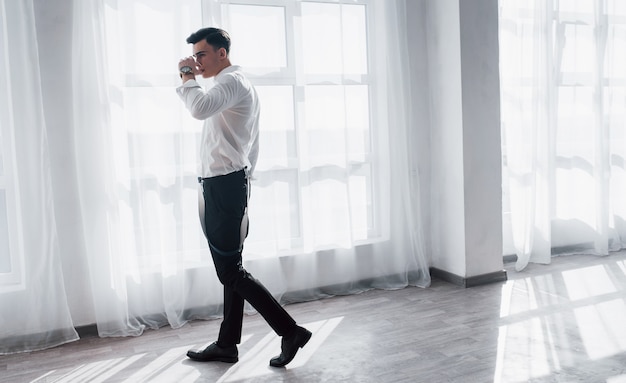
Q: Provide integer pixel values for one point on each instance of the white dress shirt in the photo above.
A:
(230, 110)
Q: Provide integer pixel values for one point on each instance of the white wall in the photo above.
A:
(444, 59)
(464, 127)
(482, 157)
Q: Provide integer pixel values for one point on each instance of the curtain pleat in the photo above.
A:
(35, 313)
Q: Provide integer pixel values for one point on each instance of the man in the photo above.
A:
(228, 155)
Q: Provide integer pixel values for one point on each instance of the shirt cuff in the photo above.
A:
(192, 83)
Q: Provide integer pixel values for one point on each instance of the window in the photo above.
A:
(581, 82)
(315, 166)
(315, 178)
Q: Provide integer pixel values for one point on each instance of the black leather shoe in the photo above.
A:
(215, 353)
(290, 345)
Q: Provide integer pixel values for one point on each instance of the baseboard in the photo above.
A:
(87, 331)
(478, 280)
(509, 258)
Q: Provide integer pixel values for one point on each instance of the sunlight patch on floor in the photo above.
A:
(174, 366)
(518, 296)
(162, 367)
(535, 341)
(617, 379)
(622, 266)
(602, 328)
(95, 372)
(588, 282)
(522, 352)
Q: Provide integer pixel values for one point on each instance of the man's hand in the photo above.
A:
(191, 62)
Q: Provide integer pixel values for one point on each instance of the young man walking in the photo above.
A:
(228, 155)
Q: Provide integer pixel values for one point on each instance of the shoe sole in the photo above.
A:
(224, 359)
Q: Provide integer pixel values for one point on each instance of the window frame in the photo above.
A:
(292, 76)
(214, 11)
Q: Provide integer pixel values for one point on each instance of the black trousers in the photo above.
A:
(225, 225)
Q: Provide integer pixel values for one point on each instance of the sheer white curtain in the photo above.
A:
(563, 78)
(334, 207)
(33, 307)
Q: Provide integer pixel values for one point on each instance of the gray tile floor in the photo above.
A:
(565, 322)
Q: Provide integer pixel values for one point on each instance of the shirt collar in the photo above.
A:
(228, 69)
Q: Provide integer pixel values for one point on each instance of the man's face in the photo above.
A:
(210, 60)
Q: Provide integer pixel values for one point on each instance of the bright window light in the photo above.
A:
(588, 282)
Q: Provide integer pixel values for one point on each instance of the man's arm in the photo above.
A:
(203, 105)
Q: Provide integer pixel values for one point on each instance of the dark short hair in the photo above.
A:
(217, 38)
